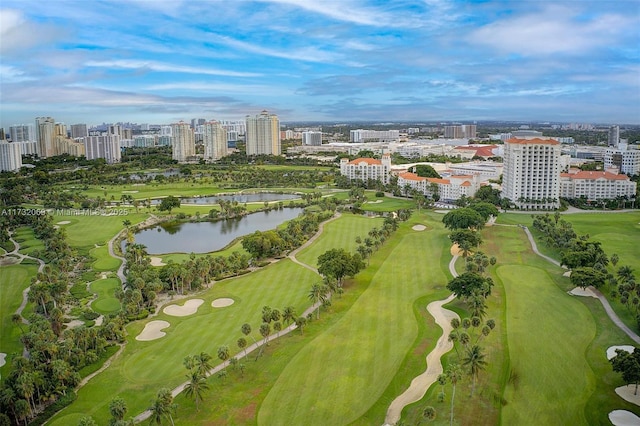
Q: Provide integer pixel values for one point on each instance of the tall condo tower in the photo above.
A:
(263, 134)
(214, 138)
(614, 135)
(184, 144)
(531, 176)
(45, 133)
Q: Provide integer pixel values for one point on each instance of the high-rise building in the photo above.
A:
(263, 134)
(10, 157)
(78, 131)
(107, 147)
(624, 159)
(614, 135)
(214, 138)
(312, 138)
(22, 133)
(195, 122)
(531, 176)
(364, 169)
(453, 132)
(45, 133)
(183, 142)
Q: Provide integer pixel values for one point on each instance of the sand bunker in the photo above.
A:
(627, 393)
(419, 227)
(455, 250)
(156, 261)
(624, 418)
(74, 323)
(64, 222)
(3, 359)
(374, 202)
(190, 307)
(578, 291)
(152, 331)
(130, 192)
(222, 302)
(99, 320)
(611, 352)
(567, 274)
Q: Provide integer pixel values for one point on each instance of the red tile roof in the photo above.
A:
(441, 181)
(481, 150)
(595, 175)
(369, 161)
(411, 176)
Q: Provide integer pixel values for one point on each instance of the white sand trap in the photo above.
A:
(586, 292)
(624, 418)
(374, 202)
(419, 227)
(222, 302)
(99, 320)
(627, 393)
(455, 250)
(441, 211)
(64, 222)
(611, 352)
(190, 307)
(74, 323)
(567, 274)
(130, 192)
(156, 261)
(152, 331)
(3, 359)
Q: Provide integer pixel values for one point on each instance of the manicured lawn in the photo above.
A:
(104, 262)
(343, 372)
(386, 204)
(87, 231)
(340, 233)
(144, 367)
(548, 333)
(106, 302)
(27, 240)
(13, 280)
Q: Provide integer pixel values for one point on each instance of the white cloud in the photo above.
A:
(9, 74)
(553, 30)
(18, 34)
(163, 67)
(307, 54)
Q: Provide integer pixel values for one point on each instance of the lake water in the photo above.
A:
(205, 237)
(240, 198)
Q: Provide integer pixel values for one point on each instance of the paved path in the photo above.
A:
(420, 384)
(150, 221)
(25, 292)
(293, 254)
(605, 303)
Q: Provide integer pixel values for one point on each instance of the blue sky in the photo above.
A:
(160, 61)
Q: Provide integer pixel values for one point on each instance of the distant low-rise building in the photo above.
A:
(447, 189)
(363, 169)
(596, 185)
(624, 158)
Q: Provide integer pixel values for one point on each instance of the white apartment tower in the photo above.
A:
(531, 176)
(183, 142)
(263, 134)
(107, 147)
(10, 156)
(22, 133)
(45, 134)
(214, 138)
(614, 135)
(312, 138)
(78, 131)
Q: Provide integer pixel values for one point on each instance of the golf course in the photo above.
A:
(545, 358)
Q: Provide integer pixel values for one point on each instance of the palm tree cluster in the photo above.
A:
(198, 367)
(376, 237)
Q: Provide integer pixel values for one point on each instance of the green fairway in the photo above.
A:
(340, 233)
(27, 240)
(343, 372)
(13, 280)
(87, 231)
(548, 333)
(104, 262)
(144, 367)
(106, 302)
(386, 204)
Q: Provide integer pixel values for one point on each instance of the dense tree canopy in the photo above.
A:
(426, 170)
(587, 276)
(470, 283)
(263, 244)
(486, 210)
(627, 363)
(338, 263)
(169, 203)
(463, 218)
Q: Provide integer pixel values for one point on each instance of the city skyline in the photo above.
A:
(162, 62)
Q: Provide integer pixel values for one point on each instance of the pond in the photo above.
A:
(240, 198)
(205, 237)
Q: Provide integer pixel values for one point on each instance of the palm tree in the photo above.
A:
(429, 413)
(242, 344)
(246, 330)
(165, 400)
(317, 295)
(277, 327)
(202, 363)
(118, 408)
(475, 361)
(300, 323)
(289, 314)
(265, 331)
(195, 387)
(223, 353)
(454, 374)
